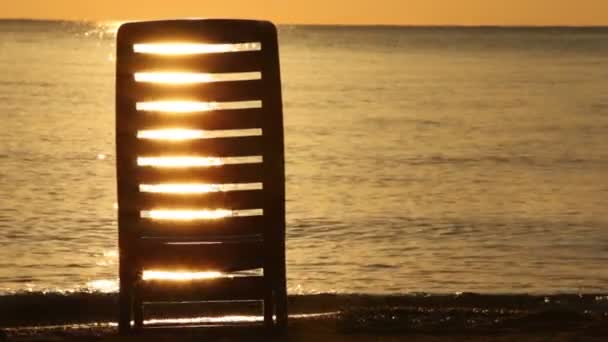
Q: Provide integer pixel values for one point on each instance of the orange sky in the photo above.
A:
(402, 12)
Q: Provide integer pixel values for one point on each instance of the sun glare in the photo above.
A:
(187, 215)
(180, 188)
(176, 106)
(184, 106)
(190, 134)
(179, 161)
(173, 77)
(112, 26)
(176, 78)
(193, 48)
(197, 188)
(171, 134)
(180, 275)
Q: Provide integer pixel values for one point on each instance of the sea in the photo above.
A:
(434, 160)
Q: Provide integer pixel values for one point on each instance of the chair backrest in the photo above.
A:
(199, 137)
(141, 54)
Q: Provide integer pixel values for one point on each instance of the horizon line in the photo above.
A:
(89, 21)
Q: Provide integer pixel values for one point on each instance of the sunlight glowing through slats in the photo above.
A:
(175, 106)
(179, 188)
(171, 134)
(182, 48)
(179, 106)
(183, 162)
(179, 275)
(193, 78)
(172, 77)
(195, 215)
(189, 134)
(197, 188)
(179, 162)
(187, 215)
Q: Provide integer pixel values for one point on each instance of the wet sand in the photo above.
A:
(465, 317)
(325, 329)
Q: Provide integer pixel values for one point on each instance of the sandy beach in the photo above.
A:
(461, 317)
(305, 330)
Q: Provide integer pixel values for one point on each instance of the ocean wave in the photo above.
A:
(49, 308)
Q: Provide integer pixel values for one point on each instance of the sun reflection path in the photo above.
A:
(103, 285)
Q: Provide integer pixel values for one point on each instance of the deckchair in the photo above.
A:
(200, 166)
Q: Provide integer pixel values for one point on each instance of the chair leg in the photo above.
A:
(281, 304)
(269, 308)
(125, 302)
(281, 297)
(138, 311)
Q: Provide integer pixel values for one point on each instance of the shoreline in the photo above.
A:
(331, 317)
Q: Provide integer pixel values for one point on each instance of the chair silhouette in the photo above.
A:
(200, 166)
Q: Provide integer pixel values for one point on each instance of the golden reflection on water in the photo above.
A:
(180, 275)
(110, 27)
(171, 134)
(179, 161)
(184, 48)
(103, 285)
(187, 215)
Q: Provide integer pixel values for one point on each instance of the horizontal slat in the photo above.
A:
(214, 147)
(244, 61)
(207, 31)
(224, 174)
(249, 90)
(209, 229)
(223, 257)
(212, 120)
(237, 288)
(234, 200)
